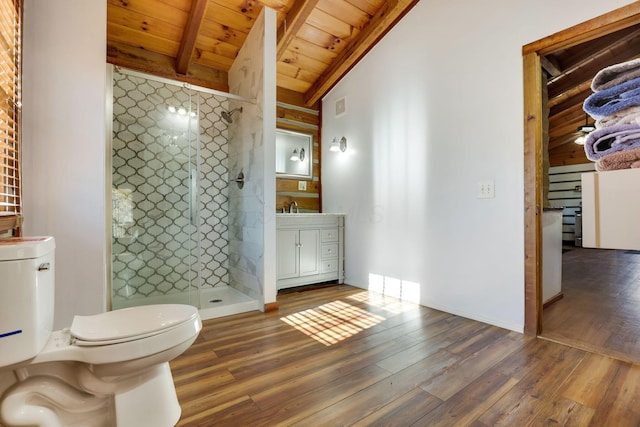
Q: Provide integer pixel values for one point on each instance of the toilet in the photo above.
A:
(105, 370)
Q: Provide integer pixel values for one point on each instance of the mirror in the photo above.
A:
(294, 154)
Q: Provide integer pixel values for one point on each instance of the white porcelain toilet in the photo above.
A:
(109, 369)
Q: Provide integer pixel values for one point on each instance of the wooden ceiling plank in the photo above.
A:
(293, 84)
(305, 62)
(321, 38)
(135, 38)
(213, 60)
(206, 44)
(380, 24)
(580, 89)
(292, 71)
(370, 7)
(217, 31)
(295, 19)
(230, 18)
(309, 49)
(138, 59)
(332, 25)
(626, 48)
(346, 12)
(152, 8)
(548, 65)
(191, 30)
(148, 24)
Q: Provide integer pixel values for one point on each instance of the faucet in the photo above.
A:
(294, 203)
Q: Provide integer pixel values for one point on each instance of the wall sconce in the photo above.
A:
(297, 156)
(339, 145)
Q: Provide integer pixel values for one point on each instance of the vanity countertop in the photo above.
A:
(301, 219)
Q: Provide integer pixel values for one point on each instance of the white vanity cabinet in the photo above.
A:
(310, 249)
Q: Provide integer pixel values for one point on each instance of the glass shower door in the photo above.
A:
(155, 238)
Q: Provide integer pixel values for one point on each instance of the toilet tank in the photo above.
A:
(26, 297)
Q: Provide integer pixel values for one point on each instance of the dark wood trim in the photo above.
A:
(532, 191)
(295, 19)
(553, 300)
(271, 306)
(191, 30)
(613, 21)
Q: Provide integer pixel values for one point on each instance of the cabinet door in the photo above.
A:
(287, 254)
(309, 251)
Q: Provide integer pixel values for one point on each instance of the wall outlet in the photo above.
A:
(302, 185)
(486, 189)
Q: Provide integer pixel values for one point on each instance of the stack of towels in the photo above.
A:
(615, 105)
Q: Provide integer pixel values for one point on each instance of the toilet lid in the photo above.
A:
(129, 323)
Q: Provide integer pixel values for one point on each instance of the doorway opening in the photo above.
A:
(533, 56)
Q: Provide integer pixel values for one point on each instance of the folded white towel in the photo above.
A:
(629, 115)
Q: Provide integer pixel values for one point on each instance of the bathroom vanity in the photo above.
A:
(310, 249)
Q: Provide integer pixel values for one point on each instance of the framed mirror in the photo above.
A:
(294, 155)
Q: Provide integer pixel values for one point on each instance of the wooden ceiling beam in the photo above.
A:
(191, 30)
(138, 59)
(380, 24)
(291, 24)
(622, 50)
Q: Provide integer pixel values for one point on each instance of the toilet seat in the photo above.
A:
(129, 324)
(152, 331)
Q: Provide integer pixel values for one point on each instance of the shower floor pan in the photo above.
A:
(224, 300)
(220, 301)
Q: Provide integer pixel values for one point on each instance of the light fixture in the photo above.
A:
(171, 109)
(294, 156)
(584, 130)
(581, 140)
(338, 145)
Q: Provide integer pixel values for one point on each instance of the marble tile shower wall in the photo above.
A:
(155, 244)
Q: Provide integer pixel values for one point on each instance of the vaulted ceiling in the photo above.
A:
(196, 41)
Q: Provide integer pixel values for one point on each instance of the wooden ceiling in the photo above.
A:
(569, 74)
(196, 41)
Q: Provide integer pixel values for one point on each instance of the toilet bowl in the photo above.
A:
(108, 369)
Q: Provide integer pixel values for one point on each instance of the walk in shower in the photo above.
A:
(170, 196)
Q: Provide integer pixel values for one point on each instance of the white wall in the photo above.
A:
(433, 109)
(64, 145)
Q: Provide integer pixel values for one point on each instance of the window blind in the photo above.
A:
(10, 112)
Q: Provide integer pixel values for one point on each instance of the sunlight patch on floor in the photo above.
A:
(391, 304)
(332, 322)
(398, 288)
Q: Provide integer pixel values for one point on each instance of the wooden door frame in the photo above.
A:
(618, 19)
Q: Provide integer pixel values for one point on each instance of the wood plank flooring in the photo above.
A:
(600, 311)
(340, 356)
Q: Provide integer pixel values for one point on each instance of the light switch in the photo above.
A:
(486, 189)
(302, 185)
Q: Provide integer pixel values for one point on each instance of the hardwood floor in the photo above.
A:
(340, 356)
(600, 310)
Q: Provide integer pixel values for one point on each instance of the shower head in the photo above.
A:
(228, 115)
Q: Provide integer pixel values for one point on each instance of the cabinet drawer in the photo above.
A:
(329, 251)
(329, 235)
(329, 266)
